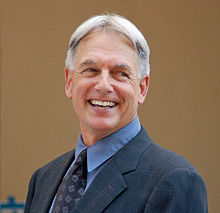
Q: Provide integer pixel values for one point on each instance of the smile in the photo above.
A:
(102, 104)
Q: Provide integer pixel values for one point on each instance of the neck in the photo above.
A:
(90, 137)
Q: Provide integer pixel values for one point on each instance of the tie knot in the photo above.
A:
(82, 157)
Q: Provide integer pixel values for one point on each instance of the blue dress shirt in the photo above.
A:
(102, 150)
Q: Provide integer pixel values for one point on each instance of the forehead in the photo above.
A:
(108, 33)
(107, 44)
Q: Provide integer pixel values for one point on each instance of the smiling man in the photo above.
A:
(115, 167)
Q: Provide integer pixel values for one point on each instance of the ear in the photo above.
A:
(68, 83)
(143, 84)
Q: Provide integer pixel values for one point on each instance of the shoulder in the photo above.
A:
(176, 183)
(157, 157)
(168, 167)
(165, 160)
(160, 164)
(171, 181)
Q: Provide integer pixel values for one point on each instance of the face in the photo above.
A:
(104, 85)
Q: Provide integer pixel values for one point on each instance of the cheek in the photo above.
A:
(80, 87)
(82, 90)
(129, 91)
(128, 98)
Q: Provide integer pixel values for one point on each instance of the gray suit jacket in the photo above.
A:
(141, 177)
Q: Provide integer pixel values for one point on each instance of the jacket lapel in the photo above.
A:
(52, 180)
(107, 185)
(110, 182)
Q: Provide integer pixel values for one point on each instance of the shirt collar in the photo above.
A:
(105, 148)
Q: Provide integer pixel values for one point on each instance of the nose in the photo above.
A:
(104, 84)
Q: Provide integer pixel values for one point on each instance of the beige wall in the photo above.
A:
(182, 108)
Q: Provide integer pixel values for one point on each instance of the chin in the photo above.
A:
(103, 125)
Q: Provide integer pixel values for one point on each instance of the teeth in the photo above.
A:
(103, 103)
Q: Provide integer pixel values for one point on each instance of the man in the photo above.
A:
(107, 77)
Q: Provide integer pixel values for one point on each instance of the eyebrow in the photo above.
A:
(87, 62)
(120, 65)
(123, 66)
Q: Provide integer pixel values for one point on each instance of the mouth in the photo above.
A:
(102, 104)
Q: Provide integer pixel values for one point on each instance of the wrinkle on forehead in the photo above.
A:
(112, 32)
(111, 47)
(101, 47)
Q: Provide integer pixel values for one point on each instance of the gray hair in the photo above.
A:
(116, 23)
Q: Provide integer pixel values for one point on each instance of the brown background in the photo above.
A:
(181, 112)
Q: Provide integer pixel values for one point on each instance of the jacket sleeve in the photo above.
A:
(30, 194)
(181, 191)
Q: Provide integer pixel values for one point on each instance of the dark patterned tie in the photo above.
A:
(72, 187)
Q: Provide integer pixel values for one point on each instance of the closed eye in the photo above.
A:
(90, 70)
(124, 74)
(121, 75)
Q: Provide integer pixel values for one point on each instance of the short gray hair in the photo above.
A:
(117, 23)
